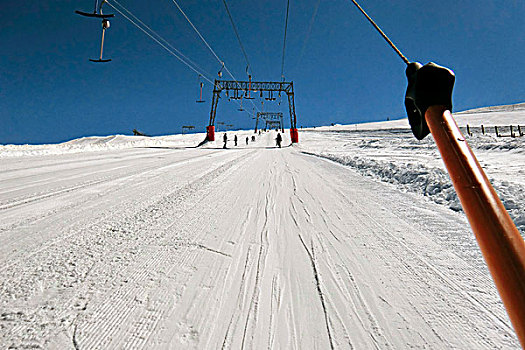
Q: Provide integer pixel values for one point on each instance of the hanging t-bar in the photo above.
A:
(97, 12)
(105, 25)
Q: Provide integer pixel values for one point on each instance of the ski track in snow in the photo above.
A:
(253, 247)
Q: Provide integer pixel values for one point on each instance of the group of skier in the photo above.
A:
(278, 140)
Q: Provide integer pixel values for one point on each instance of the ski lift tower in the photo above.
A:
(243, 88)
(273, 118)
(187, 128)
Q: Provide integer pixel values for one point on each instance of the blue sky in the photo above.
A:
(343, 71)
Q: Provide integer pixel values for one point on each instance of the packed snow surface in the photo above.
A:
(352, 238)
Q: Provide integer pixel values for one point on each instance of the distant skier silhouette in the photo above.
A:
(278, 140)
(235, 140)
(225, 139)
(247, 139)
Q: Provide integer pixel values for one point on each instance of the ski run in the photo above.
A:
(351, 239)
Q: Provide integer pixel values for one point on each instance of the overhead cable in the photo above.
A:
(309, 31)
(209, 47)
(158, 36)
(248, 67)
(170, 50)
(197, 31)
(166, 45)
(284, 41)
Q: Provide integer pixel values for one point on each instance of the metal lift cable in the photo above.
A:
(161, 38)
(197, 31)
(382, 33)
(196, 70)
(308, 33)
(161, 44)
(248, 68)
(209, 47)
(284, 41)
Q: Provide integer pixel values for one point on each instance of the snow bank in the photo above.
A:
(488, 118)
(433, 183)
(492, 143)
(101, 143)
(413, 177)
(392, 124)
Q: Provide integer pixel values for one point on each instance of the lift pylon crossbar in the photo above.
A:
(255, 86)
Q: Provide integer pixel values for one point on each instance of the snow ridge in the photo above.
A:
(501, 108)
(100, 144)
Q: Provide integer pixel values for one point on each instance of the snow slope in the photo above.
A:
(150, 243)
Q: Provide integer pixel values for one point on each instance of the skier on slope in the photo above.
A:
(225, 139)
(278, 140)
(247, 139)
(235, 140)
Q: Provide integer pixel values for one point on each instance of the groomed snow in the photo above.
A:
(353, 238)
(388, 152)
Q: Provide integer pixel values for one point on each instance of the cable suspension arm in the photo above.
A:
(428, 102)
(307, 36)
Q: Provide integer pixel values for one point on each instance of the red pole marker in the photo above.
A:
(210, 132)
(500, 241)
(294, 135)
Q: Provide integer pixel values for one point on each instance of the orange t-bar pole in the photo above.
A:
(500, 241)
